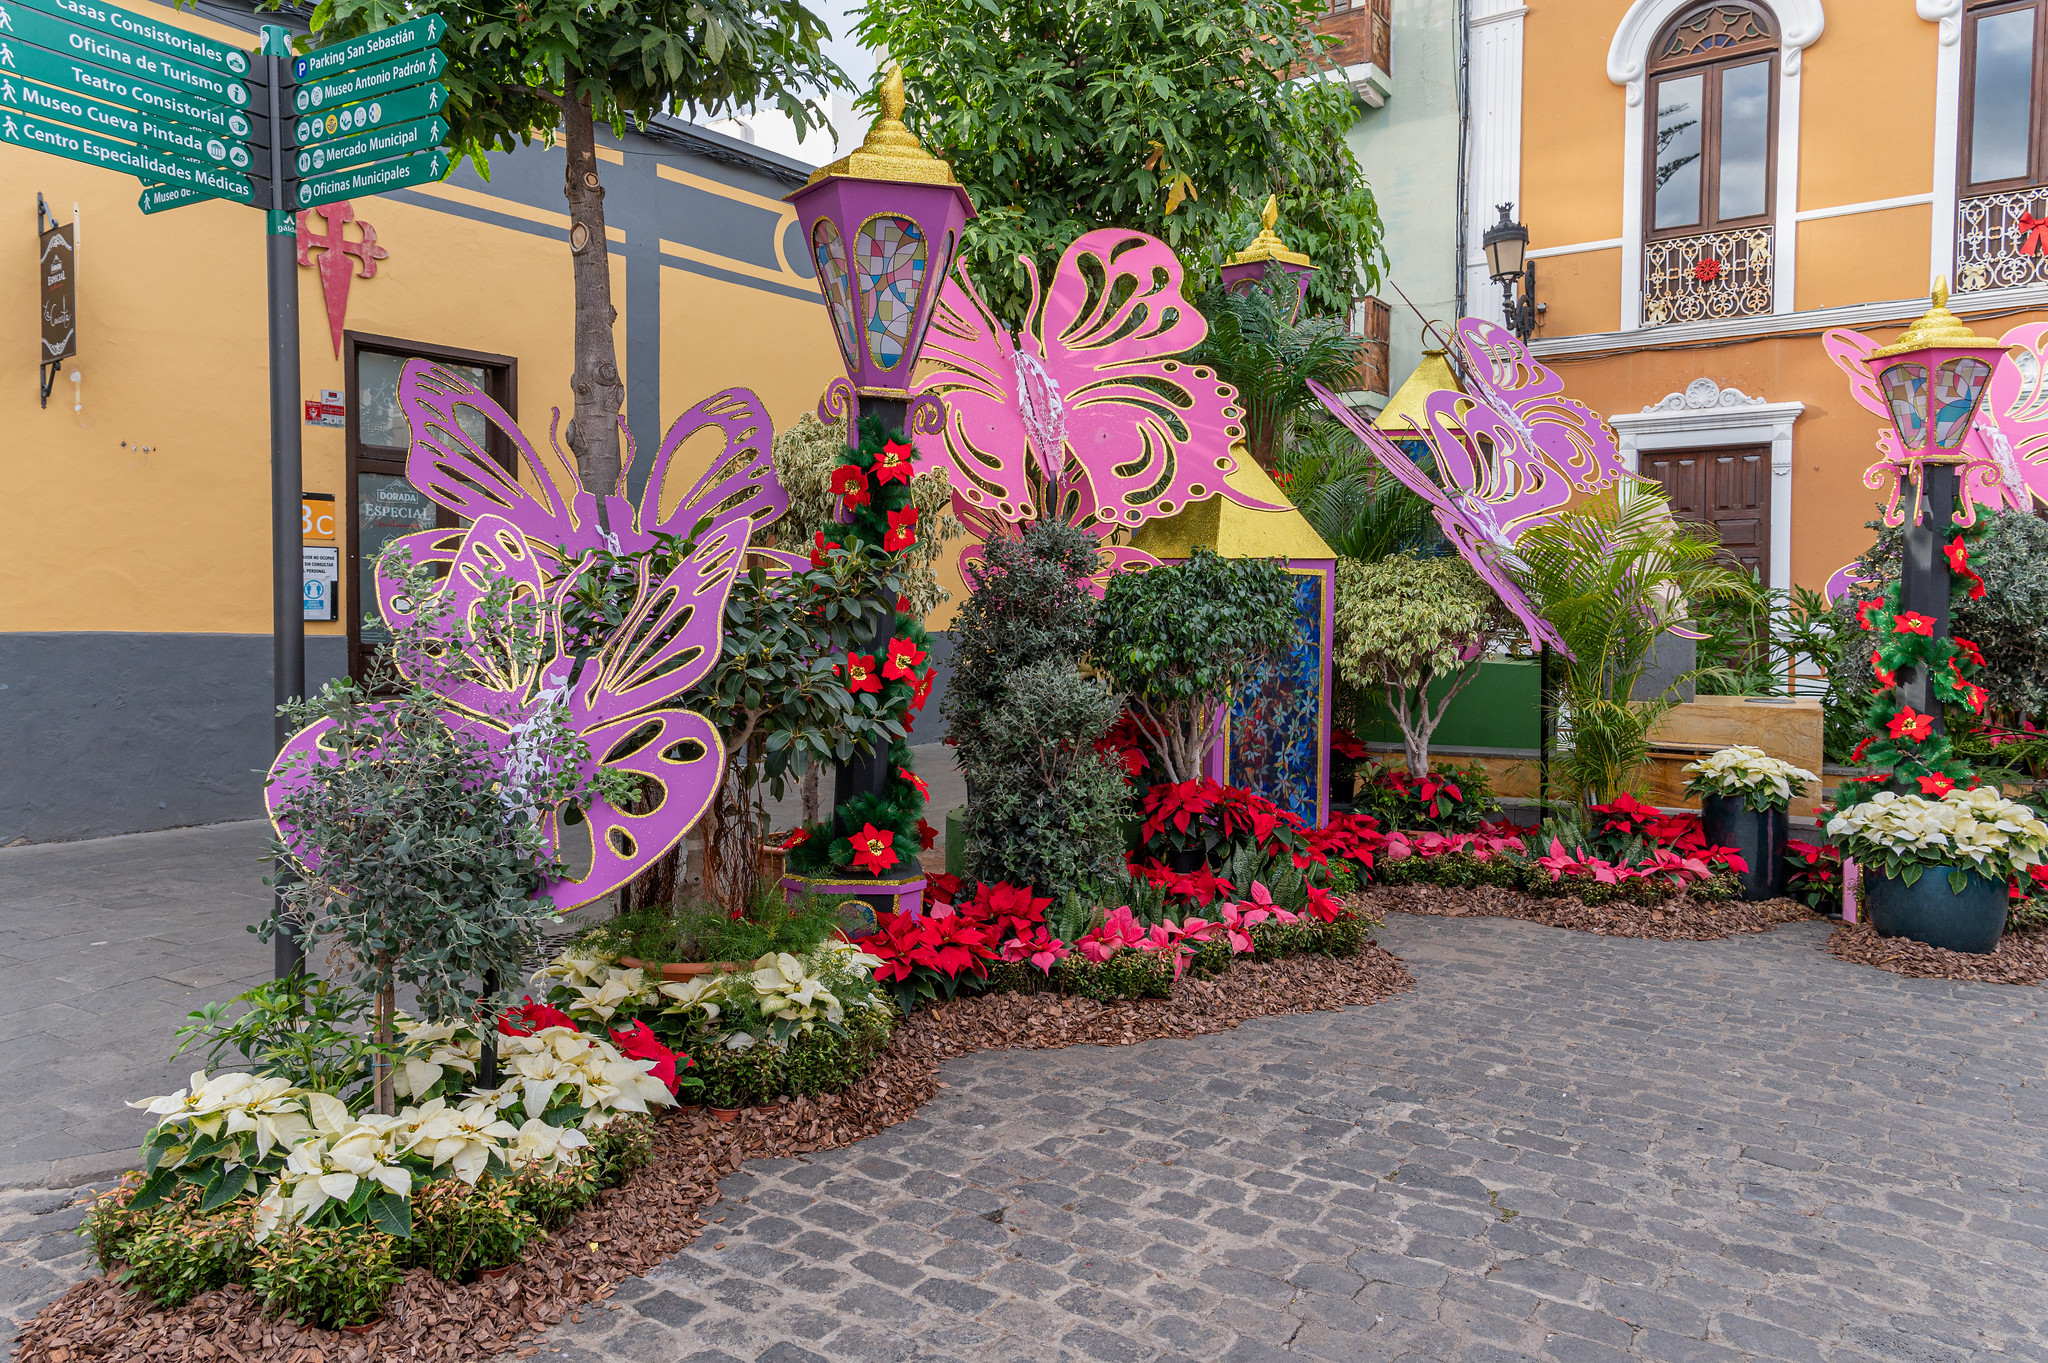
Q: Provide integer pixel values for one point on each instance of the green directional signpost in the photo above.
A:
(195, 120)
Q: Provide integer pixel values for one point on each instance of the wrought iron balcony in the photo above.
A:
(1708, 277)
(2002, 240)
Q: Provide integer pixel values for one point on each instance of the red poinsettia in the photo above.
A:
(946, 943)
(1345, 744)
(860, 673)
(1863, 613)
(927, 836)
(1883, 673)
(904, 656)
(1976, 696)
(941, 889)
(922, 690)
(1936, 785)
(1862, 748)
(1913, 622)
(1178, 803)
(638, 1043)
(874, 849)
(1909, 723)
(893, 464)
(796, 837)
(915, 780)
(1707, 270)
(902, 531)
(1005, 908)
(903, 605)
(530, 1017)
(1968, 649)
(819, 544)
(851, 482)
(1958, 554)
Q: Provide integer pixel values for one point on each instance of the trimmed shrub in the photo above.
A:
(328, 1276)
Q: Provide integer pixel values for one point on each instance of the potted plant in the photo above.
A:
(1744, 796)
(1976, 840)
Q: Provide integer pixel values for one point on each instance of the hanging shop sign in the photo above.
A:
(57, 268)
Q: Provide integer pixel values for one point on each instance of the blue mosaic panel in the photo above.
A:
(1276, 722)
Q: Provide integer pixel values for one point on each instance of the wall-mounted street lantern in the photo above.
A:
(1507, 251)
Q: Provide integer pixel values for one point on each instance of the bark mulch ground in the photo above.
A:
(1680, 918)
(665, 1207)
(2021, 957)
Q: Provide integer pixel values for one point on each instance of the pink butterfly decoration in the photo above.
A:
(533, 534)
(1082, 412)
(1468, 522)
(2009, 433)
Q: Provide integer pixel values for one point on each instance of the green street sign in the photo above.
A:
(351, 119)
(58, 140)
(140, 28)
(143, 63)
(381, 145)
(416, 69)
(54, 69)
(162, 198)
(380, 46)
(144, 129)
(421, 168)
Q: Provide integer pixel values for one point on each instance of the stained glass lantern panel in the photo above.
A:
(830, 253)
(1905, 390)
(1958, 387)
(889, 258)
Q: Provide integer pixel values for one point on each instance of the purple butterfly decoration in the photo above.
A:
(2008, 438)
(1516, 449)
(532, 535)
(1468, 522)
(1082, 413)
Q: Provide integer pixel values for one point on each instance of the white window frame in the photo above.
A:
(1707, 416)
(1628, 59)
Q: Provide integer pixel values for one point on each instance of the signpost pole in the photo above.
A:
(288, 624)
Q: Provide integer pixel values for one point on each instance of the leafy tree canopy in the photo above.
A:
(1062, 116)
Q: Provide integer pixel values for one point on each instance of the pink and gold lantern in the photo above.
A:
(1932, 380)
(1267, 248)
(883, 225)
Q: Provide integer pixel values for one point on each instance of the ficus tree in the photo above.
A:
(1062, 116)
(521, 71)
(1415, 627)
(1180, 640)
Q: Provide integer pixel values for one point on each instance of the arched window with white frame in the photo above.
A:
(1710, 172)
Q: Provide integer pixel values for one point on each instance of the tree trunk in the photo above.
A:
(655, 887)
(810, 793)
(732, 846)
(387, 1009)
(600, 394)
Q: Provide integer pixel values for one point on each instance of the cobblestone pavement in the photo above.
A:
(1559, 1147)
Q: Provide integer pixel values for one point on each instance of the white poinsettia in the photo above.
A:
(619, 989)
(1977, 829)
(790, 993)
(577, 967)
(1750, 774)
(706, 993)
(463, 1138)
(543, 1062)
(432, 1049)
(604, 1080)
(330, 1166)
(549, 1147)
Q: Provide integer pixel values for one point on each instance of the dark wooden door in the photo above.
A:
(1728, 489)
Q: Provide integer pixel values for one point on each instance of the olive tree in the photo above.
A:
(1410, 625)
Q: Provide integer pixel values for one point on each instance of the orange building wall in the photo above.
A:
(1861, 256)
(1867, 109)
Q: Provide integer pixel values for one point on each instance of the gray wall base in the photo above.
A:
(121, 733)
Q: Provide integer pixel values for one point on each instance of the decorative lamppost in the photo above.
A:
(1507, 250)
(1933, 380)
(1267, 249)
(883, 225)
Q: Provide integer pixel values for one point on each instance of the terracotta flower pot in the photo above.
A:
(682, 970)
(724, 1114)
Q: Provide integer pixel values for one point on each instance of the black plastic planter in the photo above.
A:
(1929, 911)
(1760, 835)
(1186, 861)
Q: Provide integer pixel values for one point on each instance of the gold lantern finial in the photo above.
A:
(891, 151)
(1937, 327)
(1267, 244)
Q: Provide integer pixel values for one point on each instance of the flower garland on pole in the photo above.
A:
(1908, 749)
(878, 833)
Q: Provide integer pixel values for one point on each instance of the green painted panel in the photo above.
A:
(1498, 710)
